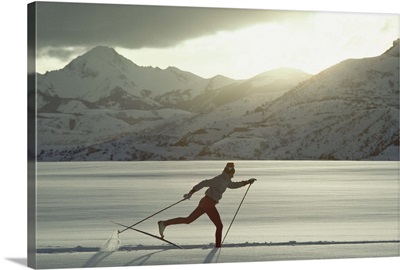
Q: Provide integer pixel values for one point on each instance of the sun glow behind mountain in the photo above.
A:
(311, 45)
(309, 41)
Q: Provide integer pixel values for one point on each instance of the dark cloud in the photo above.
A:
(62, 53)
(132, 26)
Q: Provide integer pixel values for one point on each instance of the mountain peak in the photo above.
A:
(281, 71)
(95, 60)
(394, 50)
(101, 50)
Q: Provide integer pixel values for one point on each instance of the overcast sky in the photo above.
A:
(210, 41)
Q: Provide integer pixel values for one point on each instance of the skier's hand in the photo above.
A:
(251, 181)
(187, 196)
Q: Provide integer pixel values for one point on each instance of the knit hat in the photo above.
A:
(229, 168)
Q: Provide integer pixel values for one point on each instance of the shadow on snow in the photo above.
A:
(101, 254)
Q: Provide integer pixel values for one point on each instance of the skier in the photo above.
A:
(216, 187)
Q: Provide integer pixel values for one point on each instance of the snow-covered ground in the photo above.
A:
(297, 210)
(161, 256)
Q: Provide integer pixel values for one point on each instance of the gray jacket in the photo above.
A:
(218, 185)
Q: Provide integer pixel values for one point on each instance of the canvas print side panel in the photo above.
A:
(32, 135)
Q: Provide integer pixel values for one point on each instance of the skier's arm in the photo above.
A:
(234, 185)
(204, 183)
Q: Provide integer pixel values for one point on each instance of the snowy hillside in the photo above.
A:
(261, 88)
(349, 111)
(102, 106)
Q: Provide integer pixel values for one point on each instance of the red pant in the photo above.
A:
(207, 206)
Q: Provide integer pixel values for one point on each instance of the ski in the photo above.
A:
(149, 234)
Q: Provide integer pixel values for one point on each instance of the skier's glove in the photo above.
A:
(251, 181)
(187, 196)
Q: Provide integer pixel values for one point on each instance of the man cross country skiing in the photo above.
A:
(216, 187)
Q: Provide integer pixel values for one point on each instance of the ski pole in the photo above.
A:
(130, 227)
(235, 214)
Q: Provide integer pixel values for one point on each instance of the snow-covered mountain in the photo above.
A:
(349, 111)
(102, 106)
(263, 87)
(107, 80)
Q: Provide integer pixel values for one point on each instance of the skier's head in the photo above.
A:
(230, 168)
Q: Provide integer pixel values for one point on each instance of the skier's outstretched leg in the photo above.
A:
(200, 210)
(185, 220)
(206, 205)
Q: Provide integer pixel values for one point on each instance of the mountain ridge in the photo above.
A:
(95, 74)
(348, 111)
